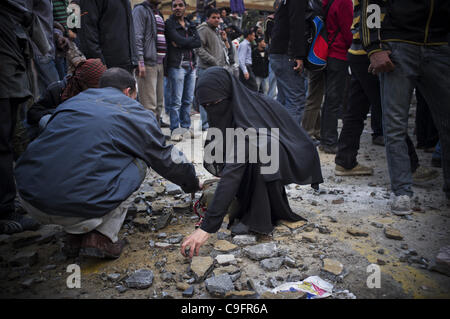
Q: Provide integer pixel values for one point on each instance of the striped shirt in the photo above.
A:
(60, 12)
(161, 46)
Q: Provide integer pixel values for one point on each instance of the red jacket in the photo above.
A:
(339, 18)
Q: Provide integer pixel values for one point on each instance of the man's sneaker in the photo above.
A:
(355, 171)
(436, 162)
(188, 133)
(176, 137)
(328, 149)
(97, 245)
(379, 140)
(424, 174)
(16, 223)
(401, 205)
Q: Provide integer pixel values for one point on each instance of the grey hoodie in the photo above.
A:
(213, 51)
(146, 33)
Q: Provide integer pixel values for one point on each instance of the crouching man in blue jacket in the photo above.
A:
(89, 160)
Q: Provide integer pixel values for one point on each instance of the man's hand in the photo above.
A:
(298, 66)
(223, 34)
(380, 62)
(246, 75)
(141, 70)
(194, 242)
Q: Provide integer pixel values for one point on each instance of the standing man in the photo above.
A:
(409, 51)
(16, 21)
(182, 37)
(287, 52)
(246, 74)
(151, 48)
(107, 32)
(214, 50)
(260, 66)
(339, 21)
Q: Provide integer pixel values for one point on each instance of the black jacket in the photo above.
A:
(47, 103)
(260, 64)
(185, 39)
(418, 22)
(288, 33)
(107, 32)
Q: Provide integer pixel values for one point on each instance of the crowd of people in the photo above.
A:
(91, 101)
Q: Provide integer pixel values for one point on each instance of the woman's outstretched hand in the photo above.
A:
(194, 242)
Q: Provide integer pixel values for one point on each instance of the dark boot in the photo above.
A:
(95, 244)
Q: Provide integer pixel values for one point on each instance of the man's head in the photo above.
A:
(223, 13)
(154, 2)
(178, 8)
(250, 35)
(120, 79)
(213, 18)
(261, 43)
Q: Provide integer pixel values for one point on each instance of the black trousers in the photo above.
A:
(426, 132)
(364, 95)
(8, 117)
(251, 82)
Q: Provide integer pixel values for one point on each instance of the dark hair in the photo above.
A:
(118, 78)
(184, 1)
(259, 39)
(247, 32)
(212, 11)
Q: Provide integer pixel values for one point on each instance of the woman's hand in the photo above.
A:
(194, 241)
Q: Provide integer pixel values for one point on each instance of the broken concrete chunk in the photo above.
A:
(262, 251)
(243, 240)
(272, 264)
(332, 266)
(392, 233)
(224, 246)
(357, 232)
(220, 285)
(201, 267)
(141, 279)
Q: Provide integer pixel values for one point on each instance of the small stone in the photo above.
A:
(261, 251)
(201, 267)
(324, 230)
(272, 264)
(166, 295)
(224, 260)
(381, 251)
(404, 246)
(182, 286)
(392, 233)
(290, 262)
(189, 292)
(314, 203)
(162, 245)
(173, 189)
(25, 238)
(167, 277)
(162, 235)
(293, 225)
(176, 239)
(309, 228)
(332, 266)
(381, 262)
(310, 238)
(141, 279)
(224, 246)
(337, 201)
(243, 240)
(113, 277)
(357, 232)
(442, 263)
(142, 223)
(377, 225)
(220, 285)
(164, 220)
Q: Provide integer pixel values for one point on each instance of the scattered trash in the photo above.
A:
(314, 286)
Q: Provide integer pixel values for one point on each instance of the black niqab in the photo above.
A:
(240, 107)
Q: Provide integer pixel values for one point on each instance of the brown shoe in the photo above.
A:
(72, 245)
(95, 244)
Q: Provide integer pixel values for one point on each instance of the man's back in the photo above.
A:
(84, 163)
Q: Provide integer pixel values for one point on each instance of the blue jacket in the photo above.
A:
(89, 158)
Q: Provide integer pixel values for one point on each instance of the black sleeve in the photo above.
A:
(89, 32)
(191, 42)
(46, 104)
(226, 191)
(297, 28)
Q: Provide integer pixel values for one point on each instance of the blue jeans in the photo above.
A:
(181, 83)
(262, 84)
(427, 68)
(61, 67)
(203, 114)
(290, 84)
(46, 72)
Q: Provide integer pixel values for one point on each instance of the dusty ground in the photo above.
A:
(360, 202)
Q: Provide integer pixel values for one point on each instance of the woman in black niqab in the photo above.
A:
(262, 197)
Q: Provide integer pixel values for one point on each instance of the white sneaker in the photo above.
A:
(401, 205)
